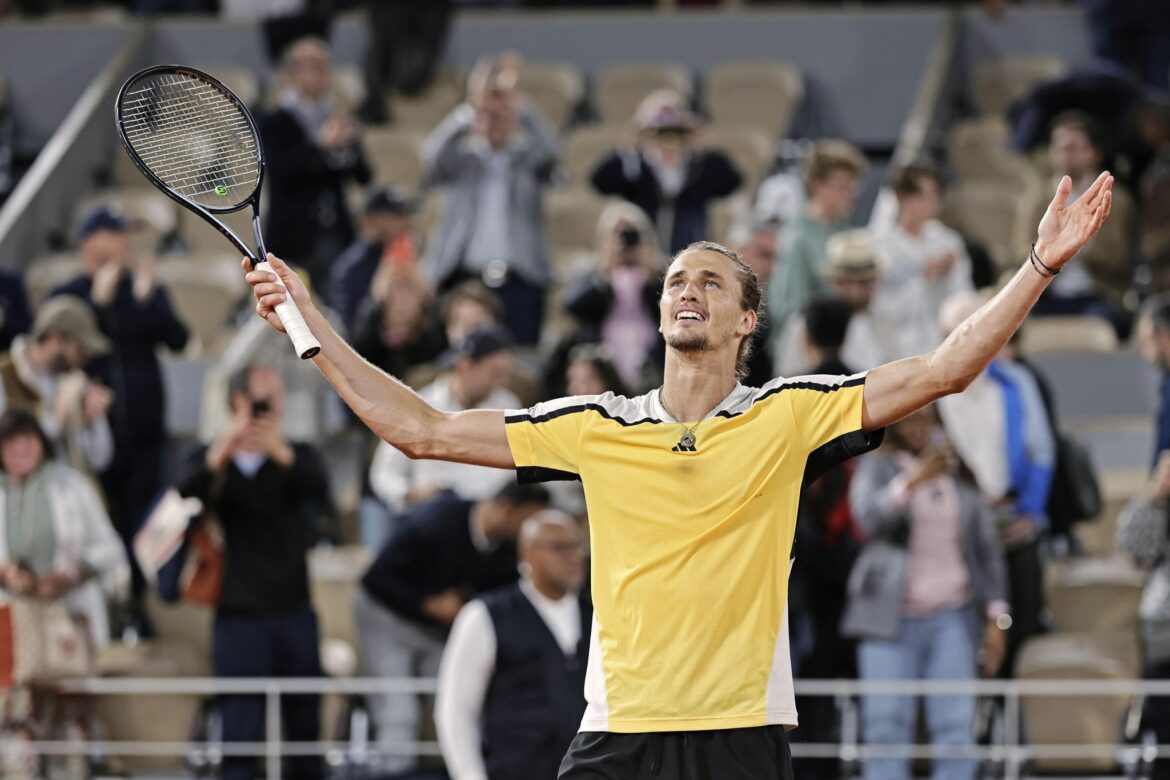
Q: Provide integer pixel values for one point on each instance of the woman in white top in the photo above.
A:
(56, 540)
(927, 262)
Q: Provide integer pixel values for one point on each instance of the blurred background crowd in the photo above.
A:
(497, 237)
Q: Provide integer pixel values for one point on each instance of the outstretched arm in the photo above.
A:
(896, 389)
(390, 409)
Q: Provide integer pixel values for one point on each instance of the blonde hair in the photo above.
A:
(833, 155)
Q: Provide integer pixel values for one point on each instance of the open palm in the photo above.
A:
(1065, 230)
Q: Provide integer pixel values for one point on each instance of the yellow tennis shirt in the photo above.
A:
(691, 545)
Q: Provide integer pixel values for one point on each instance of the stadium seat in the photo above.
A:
(752, 150)
(985, 212)
(570, 219)
(1002, 81)
(586, 146)
(761, 95)
(150, 718)
(1068, 334)
(567, 263)
(153, 215)
(394, 155)
(245, 82)
(349, 86)
(620, 88)
(202, 238)
(724, 213)
(981, 149)
(556, 88)
(206, 291)
(48, 271)
(423, 112)
(1095, 595)
(183, 624)
(124, 174)
(1074, 720)
(334, 573)
(429, 215)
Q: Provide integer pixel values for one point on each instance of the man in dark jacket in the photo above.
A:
(511, 678)
(386, 236)
(446, 551)
(313, 149)
(669, 172)
(267, 495)
(1153, 335)
(136, 315)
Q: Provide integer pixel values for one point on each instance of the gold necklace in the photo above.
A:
(686, 442)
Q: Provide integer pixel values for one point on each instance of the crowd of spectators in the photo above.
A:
(923, 560)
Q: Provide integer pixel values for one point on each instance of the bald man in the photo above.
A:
(515, 663)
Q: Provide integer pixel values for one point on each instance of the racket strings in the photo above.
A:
(193, 137)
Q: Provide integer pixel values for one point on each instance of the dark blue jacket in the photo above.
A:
(536, 697)
(306, 196)
(1162, 442)
(709, 175)
(350, 278)
(15, 314)
(131, 370)
(432, 552)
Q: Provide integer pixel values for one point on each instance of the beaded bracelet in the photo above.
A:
(1041, 267)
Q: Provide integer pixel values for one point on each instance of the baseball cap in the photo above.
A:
(389, 200)
(669, 118)
(72, 318)
(102, 218)
(479, 343)
(852, 254)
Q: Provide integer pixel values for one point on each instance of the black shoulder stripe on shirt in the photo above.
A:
(528, 475)
(839, 450)
(524, 416)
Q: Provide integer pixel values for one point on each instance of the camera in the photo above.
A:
(260, 407)
(629, 237)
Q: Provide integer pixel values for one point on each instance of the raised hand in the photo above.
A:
(269, 293)
(1065, 230)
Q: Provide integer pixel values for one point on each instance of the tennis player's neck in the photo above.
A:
(692, 388)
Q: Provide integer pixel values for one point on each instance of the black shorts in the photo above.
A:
(724, 754)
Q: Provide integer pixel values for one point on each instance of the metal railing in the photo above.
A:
(60, 174)
(1007, 749)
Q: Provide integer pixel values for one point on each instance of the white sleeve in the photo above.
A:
(464, 674)
(390, 476)
(97, 444)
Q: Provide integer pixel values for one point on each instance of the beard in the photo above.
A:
(59, 364)
(688, 342)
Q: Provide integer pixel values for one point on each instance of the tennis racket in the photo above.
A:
(194, 140)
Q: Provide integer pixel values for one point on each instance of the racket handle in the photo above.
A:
(303, 340)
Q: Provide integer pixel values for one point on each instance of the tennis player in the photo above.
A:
(692, 492)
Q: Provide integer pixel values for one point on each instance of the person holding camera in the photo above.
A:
(615, 303)
(493, 155)
(266, 494)
(668, 170)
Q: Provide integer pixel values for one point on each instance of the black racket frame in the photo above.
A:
(206, 212)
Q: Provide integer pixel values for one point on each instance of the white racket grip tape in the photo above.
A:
(305, 344)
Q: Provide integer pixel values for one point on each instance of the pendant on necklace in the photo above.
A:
(687, 440)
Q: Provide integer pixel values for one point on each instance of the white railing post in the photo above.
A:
(1011, 733)
(272, 729)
